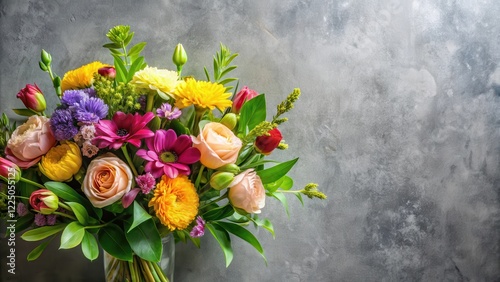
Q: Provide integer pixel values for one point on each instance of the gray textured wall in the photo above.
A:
(398, 123)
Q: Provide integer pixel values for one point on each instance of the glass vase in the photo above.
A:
(117, 270)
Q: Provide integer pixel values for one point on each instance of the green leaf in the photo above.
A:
(226, 81)
(114, 242)
(90, 248)
(136, 49)
(121, 70)
(43, 232)
(24, 222)
(283, 201)
(65, 192)
(139, 215)
(36, 252)
(273, 186)
(218, 213)
(244, 234)
(24, 112)
(136, 65)
(206, 73)
(178, 127)
(112, 46)
(226, 71)
(287, 183)
(274, 173)
(252, 113)
(145, 241)
(80, 212)
(72, 235)
(224, 241)
(264, 223)
(116, 52)
(128, 39)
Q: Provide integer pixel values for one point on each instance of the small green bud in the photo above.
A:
(229, 120)
(46, 58)
(179, 57)
(57, 81)
(220, 180)
(43, 66)
(230, 168)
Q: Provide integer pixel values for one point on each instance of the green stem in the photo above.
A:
(131, 266)
(32, 183)
(214, 201)
(125, 54)
(160, 273)
(64, 206)
(150, 101)
(198, 178)
(65, 215)
(129, 160)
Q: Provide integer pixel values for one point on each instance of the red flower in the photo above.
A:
(32, 98)
(124, 128)
(266, 144)
(44, 201)
(244, 95)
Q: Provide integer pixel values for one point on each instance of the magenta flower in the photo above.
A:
(199, 229)
(123, 128)
(169, 154)
(146, 182)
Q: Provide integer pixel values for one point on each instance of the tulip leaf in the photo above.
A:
(264, 223)
(113, 241)
(281, 197)
(72, 235)
(244, 234)
(218, 213)
(139, 216)
(222, 237)
(43, 232)
(65, 192)
(90, 248)
(145, 241)
(274, 173)
(252, 113)
(36, 252)
(24, 112)
(80, 212)
(25, 189)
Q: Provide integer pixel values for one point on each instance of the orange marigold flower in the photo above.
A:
(175, 202)
(81, 77)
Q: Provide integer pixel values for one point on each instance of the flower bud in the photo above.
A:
(230, 168)
(9, 170)
(46, 58)
(44, 201)
(241, 97)
(229, 120)
(220, 180)
(32, 98)
(179, 57)
(266, 144)
(109, 72)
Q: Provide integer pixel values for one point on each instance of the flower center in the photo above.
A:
(121, 132)
(168, 157)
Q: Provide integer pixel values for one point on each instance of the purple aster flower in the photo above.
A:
(51, 219)
(72, 97)
(62, 125)
(146, 182)
(21, 209)
(90, 110)
(40, 219)
(199, 229)
(169, 154)
(165, 111)
(90, 92)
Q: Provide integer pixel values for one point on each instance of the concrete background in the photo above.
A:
(399, 123)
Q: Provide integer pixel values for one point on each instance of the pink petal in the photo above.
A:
(170, 171)
(144, 154)
(129, 198)
(189, 156)
(182, 143)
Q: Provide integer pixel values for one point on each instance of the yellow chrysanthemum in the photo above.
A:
(151, 78)
(81, 77)
(61, 162)
(175, 202)
(202, 94)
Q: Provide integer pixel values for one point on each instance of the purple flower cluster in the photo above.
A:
(42, 220)
(199, 229)
(77, 107)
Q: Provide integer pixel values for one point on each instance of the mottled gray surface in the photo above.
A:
(398, 123)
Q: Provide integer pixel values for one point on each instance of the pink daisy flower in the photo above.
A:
(169, 154)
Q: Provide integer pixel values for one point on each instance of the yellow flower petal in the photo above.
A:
(81, 77)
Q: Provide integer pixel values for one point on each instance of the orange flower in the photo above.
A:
(81, 77)
(175, 202)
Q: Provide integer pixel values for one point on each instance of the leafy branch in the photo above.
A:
(222, 66)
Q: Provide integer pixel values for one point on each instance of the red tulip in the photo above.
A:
(32, 98)
(44, 201)
(9, 170)
(109, 72)
(241, 97)
(266, 144)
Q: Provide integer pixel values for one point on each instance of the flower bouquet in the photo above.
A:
(133, 154)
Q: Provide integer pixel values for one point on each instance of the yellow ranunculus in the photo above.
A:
(61, 162)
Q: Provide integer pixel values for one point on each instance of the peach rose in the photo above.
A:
(30, 141)
(108, 178)
(218, 145)
(247, 192)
